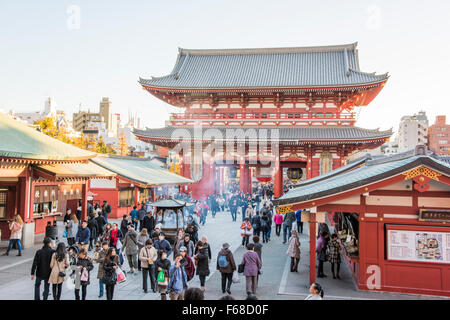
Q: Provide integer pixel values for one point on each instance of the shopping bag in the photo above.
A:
(120, 276)
(161, 277)
(118, 244)
(65, 234)
(84, 275)
(235, 278)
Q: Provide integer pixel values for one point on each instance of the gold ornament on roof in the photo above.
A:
(422, 171)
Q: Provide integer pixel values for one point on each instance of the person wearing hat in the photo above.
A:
(226, 267)
(187, 263)
(148, 256)
(156, 232)
(163, 244)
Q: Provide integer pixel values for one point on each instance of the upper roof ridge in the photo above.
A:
(273, 50)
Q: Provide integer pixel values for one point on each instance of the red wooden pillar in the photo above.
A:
(136, 196)
(242, 177)
(309, 167)
(84, 190)
(249, 180)
(312, 248)
(278, 180)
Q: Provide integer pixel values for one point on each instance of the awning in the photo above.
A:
(75, 170)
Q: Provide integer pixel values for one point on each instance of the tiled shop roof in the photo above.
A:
(372, 171)
(18, 140)
(140, 170)
(298, 67)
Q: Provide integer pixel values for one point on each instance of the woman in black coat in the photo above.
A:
(202, 261)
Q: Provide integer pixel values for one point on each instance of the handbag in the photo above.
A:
(60, 273)
(235, 278)
(241, 268)
(118, 244)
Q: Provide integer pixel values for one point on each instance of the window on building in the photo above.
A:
(443, 141)
(3, 197)
(126, 198)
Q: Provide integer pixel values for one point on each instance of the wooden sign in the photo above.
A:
(434, 215)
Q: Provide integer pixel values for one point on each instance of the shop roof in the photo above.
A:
(76, 170)
(139, 170)
(296, 67)
(373, 171)
(21, 141)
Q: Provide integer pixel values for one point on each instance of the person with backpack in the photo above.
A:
(246, 231)
(187, 263)
(177, 279)
(16, 227)
(202, 262)
(106, 210)
(289, 218)
(256, 225)
(226, 267)
(148, 256)
(265, 225)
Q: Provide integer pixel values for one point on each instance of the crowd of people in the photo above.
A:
(168, 268)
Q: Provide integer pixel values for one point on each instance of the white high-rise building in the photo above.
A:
(412, 131)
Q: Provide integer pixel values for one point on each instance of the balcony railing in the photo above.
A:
(263, 118)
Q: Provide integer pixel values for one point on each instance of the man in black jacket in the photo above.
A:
(41, 268)
(149, 222)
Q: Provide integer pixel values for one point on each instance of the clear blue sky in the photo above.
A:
(118, 41)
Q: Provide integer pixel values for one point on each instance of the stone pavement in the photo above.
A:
(275, 283)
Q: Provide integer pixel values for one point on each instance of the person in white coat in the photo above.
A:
(16, 226)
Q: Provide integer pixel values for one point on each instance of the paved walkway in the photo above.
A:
(275, 283)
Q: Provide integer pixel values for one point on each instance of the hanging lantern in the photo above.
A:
(294, 174)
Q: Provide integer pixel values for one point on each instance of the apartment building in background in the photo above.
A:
(439, 136)
(412, 131)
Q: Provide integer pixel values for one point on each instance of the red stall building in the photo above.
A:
(40, 177)
(295, 106)
(392, 216)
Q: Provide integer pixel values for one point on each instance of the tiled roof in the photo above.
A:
(285, 133)
(140, 170)
(87, 170)
(372, 171)
(301, 67)
(18, 140)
